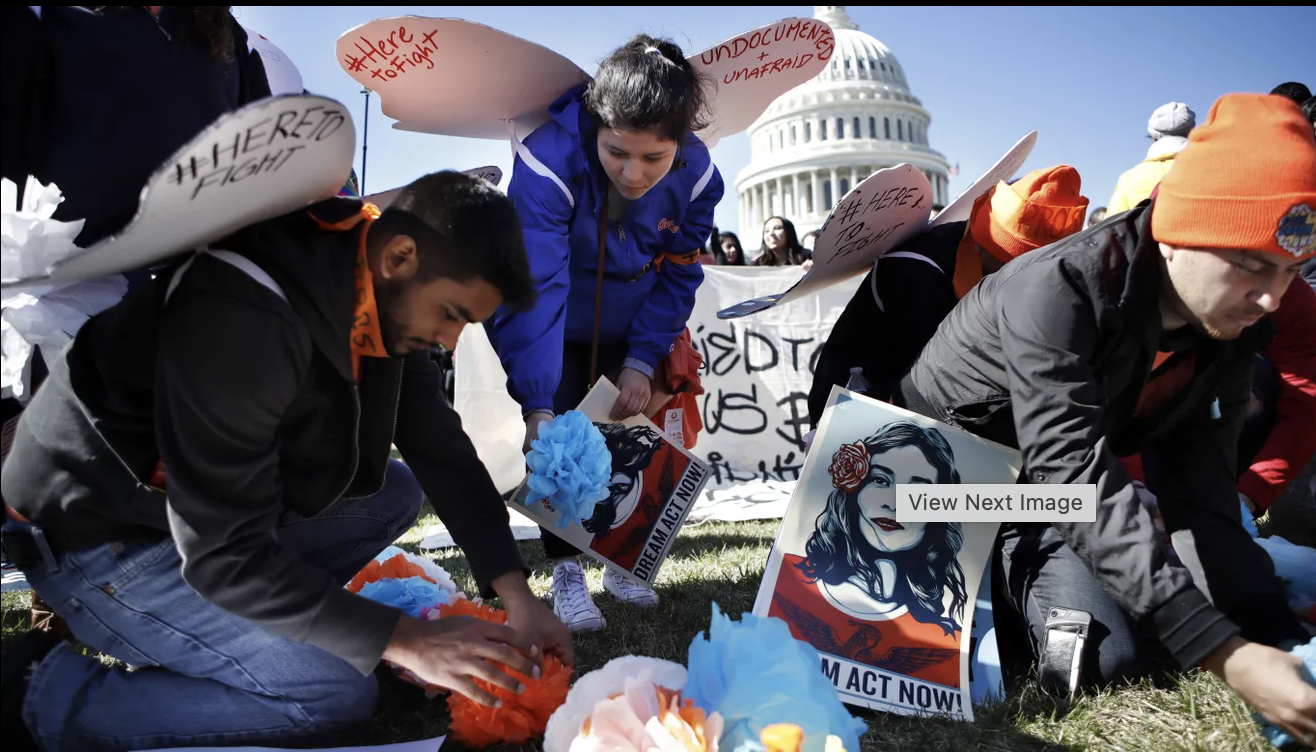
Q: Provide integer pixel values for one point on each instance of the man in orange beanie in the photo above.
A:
(922, 279)
(1138, 335)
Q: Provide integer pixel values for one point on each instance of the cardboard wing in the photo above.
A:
(489, 172)
(280, 71)
(880, 213)
(266, 159)
(1004, 169)
(655, 483)
(890, 606)
(753, 69)
(455, 78)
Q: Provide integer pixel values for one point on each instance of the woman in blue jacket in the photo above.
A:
(618, 161)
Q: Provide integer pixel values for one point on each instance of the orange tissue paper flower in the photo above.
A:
(397, 568)
(523, 716)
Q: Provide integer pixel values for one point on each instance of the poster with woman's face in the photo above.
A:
(888, 604)
(655, 483)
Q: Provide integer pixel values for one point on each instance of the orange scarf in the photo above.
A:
(366, 340)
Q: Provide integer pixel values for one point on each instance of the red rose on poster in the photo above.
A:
(849, 468)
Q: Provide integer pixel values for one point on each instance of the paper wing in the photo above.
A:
(266, 159)
(455, 78)
(880, 213)
(1004, 169)
(753, 69)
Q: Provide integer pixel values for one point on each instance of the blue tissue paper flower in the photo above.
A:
(755, 673)
(570, 466)
(1274, 734)
(409, 594)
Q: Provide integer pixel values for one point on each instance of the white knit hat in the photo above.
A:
(1172, 119)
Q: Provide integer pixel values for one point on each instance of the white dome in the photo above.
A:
(818, 140)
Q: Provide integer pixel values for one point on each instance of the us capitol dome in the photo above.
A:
(821, 138)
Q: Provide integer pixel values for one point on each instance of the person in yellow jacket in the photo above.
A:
(1168, 127)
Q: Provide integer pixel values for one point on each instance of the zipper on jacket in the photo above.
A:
(397, 403)
(356, 447)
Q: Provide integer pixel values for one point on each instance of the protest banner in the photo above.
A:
(266, 159)
(880, 213)
(280, 71)
(655, 483)
(753, 69)
(885, 603)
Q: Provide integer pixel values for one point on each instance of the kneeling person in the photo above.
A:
(268, 380)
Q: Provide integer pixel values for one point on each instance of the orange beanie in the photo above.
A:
(1012, 219)
(1246, 181)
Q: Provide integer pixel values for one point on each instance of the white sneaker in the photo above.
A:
(571, 601)
(628, 591)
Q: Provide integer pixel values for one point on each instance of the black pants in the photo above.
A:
(571, 390)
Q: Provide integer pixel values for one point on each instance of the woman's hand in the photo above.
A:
(634, 395)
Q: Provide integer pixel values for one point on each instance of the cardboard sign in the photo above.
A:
(888, 605)
(880, 213)
(266, 159)
(455, 78)
(1004, 169)
(489, 172)
(280, 72)
(655, 483)
(753, 69)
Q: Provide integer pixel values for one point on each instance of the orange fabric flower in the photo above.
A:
(396, 567)
(522, 717)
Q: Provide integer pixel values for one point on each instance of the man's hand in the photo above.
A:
(634, 395)
(532, 422)
(1271, 681)
(533, 620)
(454, 651)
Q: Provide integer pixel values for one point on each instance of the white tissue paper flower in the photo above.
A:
(47, 315)
(602, 684)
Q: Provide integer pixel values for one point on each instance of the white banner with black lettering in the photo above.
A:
(757, 374)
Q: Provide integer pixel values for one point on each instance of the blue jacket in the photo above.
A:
(559, 212)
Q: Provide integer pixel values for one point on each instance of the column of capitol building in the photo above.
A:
(821, 138)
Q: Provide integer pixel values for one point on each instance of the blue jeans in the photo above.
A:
(1042, 572)
(201, 675)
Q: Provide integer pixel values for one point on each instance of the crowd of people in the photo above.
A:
(208, 463)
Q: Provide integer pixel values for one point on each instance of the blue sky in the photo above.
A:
(1085, 78)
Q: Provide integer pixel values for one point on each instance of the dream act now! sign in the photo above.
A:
(980, 502)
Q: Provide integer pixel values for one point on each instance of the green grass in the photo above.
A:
(723, 563)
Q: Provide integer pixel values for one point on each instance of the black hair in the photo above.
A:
(647, 83)
(464, 228)
(721, 255)
(632, 449)
(1309, 109)
(1299, 93)
(1097, 215)
(207, 25)
(795, 253)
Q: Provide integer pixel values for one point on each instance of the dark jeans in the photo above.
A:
(571, 390)
(204, 676)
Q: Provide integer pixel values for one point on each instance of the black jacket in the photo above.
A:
(1050, 355)
(251, 402)
(96, 101)
(884, 341)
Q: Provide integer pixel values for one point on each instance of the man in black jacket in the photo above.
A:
(1138, 335)
(268, 381)
(893, 314)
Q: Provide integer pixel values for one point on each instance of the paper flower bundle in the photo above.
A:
(423, 589)
(749, 687)
(48, 315)
(570, 467)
